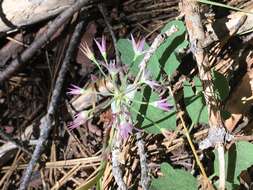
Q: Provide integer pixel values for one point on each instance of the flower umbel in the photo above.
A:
(102, 47)
(162, 104)
(125, 129)
(137, 46)
(75, 90)
(86, 50)
(79, 119)
(112, 68)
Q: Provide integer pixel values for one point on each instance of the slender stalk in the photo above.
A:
(222, 173)
(187, 134)
(224, 6)
(193, 148)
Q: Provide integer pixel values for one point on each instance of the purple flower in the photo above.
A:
(152, 84)
(162, 104)
(93, 78)
(79, 119)
(86, 51)
(137, 46)
(102, 46)
(125, 129)
(112, 68)
(75, 90)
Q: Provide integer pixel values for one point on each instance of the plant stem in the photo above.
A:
(190, 142)
(100, 69)
(193, 148)
(222, 172)
(224, 6)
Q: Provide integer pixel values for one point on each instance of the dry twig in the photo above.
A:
(116, 170)
(145, 179)
(47, 120)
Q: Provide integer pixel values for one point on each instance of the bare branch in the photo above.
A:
(116, 170)
(46, 121)
(145, 179)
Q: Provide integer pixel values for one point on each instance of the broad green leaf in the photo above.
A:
(151, 119)
(127, 55)
(126, 50)
(198, 85)
(165, 56)
(174, 179)
(154, 68)
(195, 106)
(167, 52)
(238, 158)
(221, 85)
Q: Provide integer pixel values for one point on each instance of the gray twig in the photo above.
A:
(116, 170)
(145, 179)
(43, 39)
(46, 121)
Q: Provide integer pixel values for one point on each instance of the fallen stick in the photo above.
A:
(47, 120)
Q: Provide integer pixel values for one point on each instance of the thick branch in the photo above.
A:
(18, 13)
(217, 133)
(36, 45)
(197, 41)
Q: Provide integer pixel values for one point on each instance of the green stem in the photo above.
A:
(100, 69)
(224, 6)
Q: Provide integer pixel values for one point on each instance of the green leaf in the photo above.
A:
(198, 85)
(174, 179)
(154, 68)
(195, 107)
(221, 85)
(126, 50)
(238, 158)
(151, 119)
(167, 53)
(127, 55)
(165, 56)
